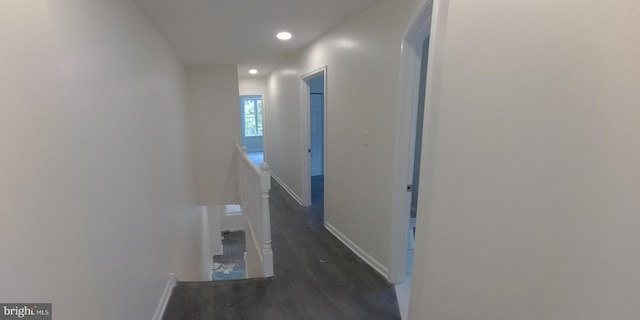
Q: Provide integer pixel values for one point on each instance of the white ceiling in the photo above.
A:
(242, 32)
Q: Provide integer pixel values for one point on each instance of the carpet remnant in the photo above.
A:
(223, 271)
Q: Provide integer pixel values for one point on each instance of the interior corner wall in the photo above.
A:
(95, 188)
(533, 164)
(214, 115)
(362, 58)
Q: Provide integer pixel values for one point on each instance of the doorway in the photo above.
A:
(415, 179)
(415, 99)
(251, 114)
(403, 289)
(415, 130)
(316, 137)
(314, 101)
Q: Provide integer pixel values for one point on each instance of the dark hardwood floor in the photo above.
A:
(316, 276)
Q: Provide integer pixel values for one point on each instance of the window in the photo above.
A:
(251, 112)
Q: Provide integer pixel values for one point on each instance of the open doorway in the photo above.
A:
(316, 137)
(415, 185)
(403, 289)
(314, 95)
(415, 179)
(252, 129)
(413, 125)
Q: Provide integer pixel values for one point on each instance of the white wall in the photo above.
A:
(252, 86)
(214, 115)
(533, 206)
(362, 59)
(284, 137)
(95, 186)
(233, 222)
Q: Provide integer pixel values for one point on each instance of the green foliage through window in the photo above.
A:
(251, 111)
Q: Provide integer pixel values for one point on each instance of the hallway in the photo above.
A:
(316, 276)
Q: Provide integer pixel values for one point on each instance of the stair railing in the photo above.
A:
(253, 185)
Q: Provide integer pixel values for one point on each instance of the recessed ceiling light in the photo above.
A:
(253, 71)
(284, 35)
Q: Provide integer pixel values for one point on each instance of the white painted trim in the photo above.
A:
(304, 127)
(314, 72)
(375, 264)
(411, 58)
(325, 122)
(164, 300)
(286, 188)
(420, 24)
(437, 36)
(305, 145)
(233, 229)
(256, 242)
(246, 264)
(233, 214)
(206, 246)
(403, 169)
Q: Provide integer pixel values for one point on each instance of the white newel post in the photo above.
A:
(265, 186)
(253, 186)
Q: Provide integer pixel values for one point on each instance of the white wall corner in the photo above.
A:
(375, 264)
(164, 300)
(215, 214)
(289, 190)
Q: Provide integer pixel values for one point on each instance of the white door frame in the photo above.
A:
(305, 102)
(419, 28)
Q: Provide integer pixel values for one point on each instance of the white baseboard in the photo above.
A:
(233, 229)
(162, 305)
(358, 251)
(286, 188)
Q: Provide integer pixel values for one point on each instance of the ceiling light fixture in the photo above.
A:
(284, 35)
(253, 71)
